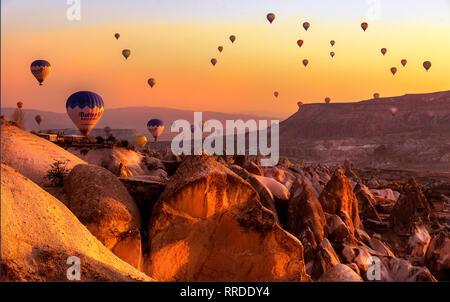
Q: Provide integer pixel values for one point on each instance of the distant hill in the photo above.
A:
(421, 113)
(128, 118)
(366, 132)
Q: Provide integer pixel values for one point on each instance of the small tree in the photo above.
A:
(111, 139)
(100, 140)
(58, 171)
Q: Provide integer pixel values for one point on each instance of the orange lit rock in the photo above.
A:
(338, 198)
(209, 225)
(102, 203)
(39, 234)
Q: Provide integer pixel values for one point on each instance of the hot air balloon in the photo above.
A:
(364, 26)
(214, 61)
(393, 70)
(332, 42)
(39, 118)
(141, 141)
(117, 36)
(126, 53)
(232, 38)
(376, 95)
(305, 62)
(19, 104)
(220, 48)
(327, 100)
(40, 69)
(300, 43)
(85, 109)
(151, 82)
(155, 127)
(404, 61)
(306, 25)
(332, 54)
(299, 104)
(271, 17)
(393, 110)
(275, 94)
(107, 130)
(383, 51)
(427, 65)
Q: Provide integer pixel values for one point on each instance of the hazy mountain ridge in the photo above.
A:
(128, 118)
(416, 112)
(366, 132)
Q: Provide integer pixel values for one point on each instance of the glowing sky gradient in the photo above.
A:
(174, 41)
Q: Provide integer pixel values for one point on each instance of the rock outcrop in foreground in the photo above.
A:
(209, 225)
(102, 203)
(32, 155)
(39, 234)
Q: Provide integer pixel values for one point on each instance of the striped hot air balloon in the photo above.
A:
(40, 69)
(155, 127)
(85, 109)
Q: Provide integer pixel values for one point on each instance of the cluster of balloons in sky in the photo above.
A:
(85, 108)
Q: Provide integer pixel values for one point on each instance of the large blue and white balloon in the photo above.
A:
(40, 69)
(155, 127)
(85, 109)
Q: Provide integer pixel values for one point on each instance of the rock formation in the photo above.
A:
(411, 208)
(39, 234)
(104, 206)
(32, 155)
(304, 210)
(209, 225)
(338, 198)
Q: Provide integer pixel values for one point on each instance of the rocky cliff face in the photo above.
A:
(368, 132)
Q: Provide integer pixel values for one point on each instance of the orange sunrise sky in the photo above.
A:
(173, 41)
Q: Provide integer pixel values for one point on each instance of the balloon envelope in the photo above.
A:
(276, 94)
(394, 70)
(151, 82)
(155, 127)
(404, 61)
(117, 36)
(214, 61)
(40, 69)
(300, 43)
(271, 17)
(126, 53)
(383, 51)
(332, 54)
(299, 104)
(232, 38)
(327, 100)
(332, 42)
(306, 25)
(376, 95)
(39, 119)
(427, 65)
(393, 110)
(141, 141)
(305, 62)
(220, 48)
(364, 26)
(85, 109)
